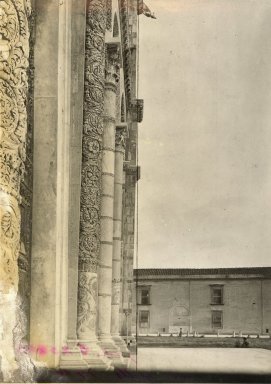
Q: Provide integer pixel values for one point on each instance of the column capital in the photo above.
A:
(112, 64)
(121, 135)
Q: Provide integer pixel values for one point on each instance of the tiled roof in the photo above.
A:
(266, 271)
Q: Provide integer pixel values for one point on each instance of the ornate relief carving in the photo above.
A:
(14, 49)
(86, 317)
(14, 63)
(90, 206)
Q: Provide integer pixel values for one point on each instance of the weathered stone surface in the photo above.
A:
(14, 63)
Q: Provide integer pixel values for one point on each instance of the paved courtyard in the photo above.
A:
(204, 360)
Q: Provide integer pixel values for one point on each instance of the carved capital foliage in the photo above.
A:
(14, 62)
(112, 65)
(90, 200)
(120, 138)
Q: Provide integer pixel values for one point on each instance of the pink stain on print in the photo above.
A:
(42, 350)
(53, 350)
(84, 349)
(65, 349)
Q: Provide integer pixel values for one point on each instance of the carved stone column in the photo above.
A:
(90, 205)
(14, 62)
(121, 131)
(106, 252)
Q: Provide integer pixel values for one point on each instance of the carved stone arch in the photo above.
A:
(122, 110)
(115, 26)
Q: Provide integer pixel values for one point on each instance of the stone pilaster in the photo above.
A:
(108, 161)
(121, 132)
(91, 187)
(14, 63)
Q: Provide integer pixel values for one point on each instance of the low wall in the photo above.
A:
(203, 341)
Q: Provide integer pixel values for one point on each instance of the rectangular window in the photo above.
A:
(217, 319)
(217, 294)
(145, 296)
(144, 319)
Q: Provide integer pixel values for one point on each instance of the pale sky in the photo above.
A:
(205, 141)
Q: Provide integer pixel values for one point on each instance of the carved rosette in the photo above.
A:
(90, 205)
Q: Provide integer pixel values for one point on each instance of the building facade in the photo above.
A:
(205, 301)
(68, 174)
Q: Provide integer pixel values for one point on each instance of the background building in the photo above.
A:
(224, 300)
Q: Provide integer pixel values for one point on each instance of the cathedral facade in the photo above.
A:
(68, 155)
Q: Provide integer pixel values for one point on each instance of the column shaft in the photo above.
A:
(107, 200)
(116, 278)
(91, 176)
(128, 247)
(117, 234)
